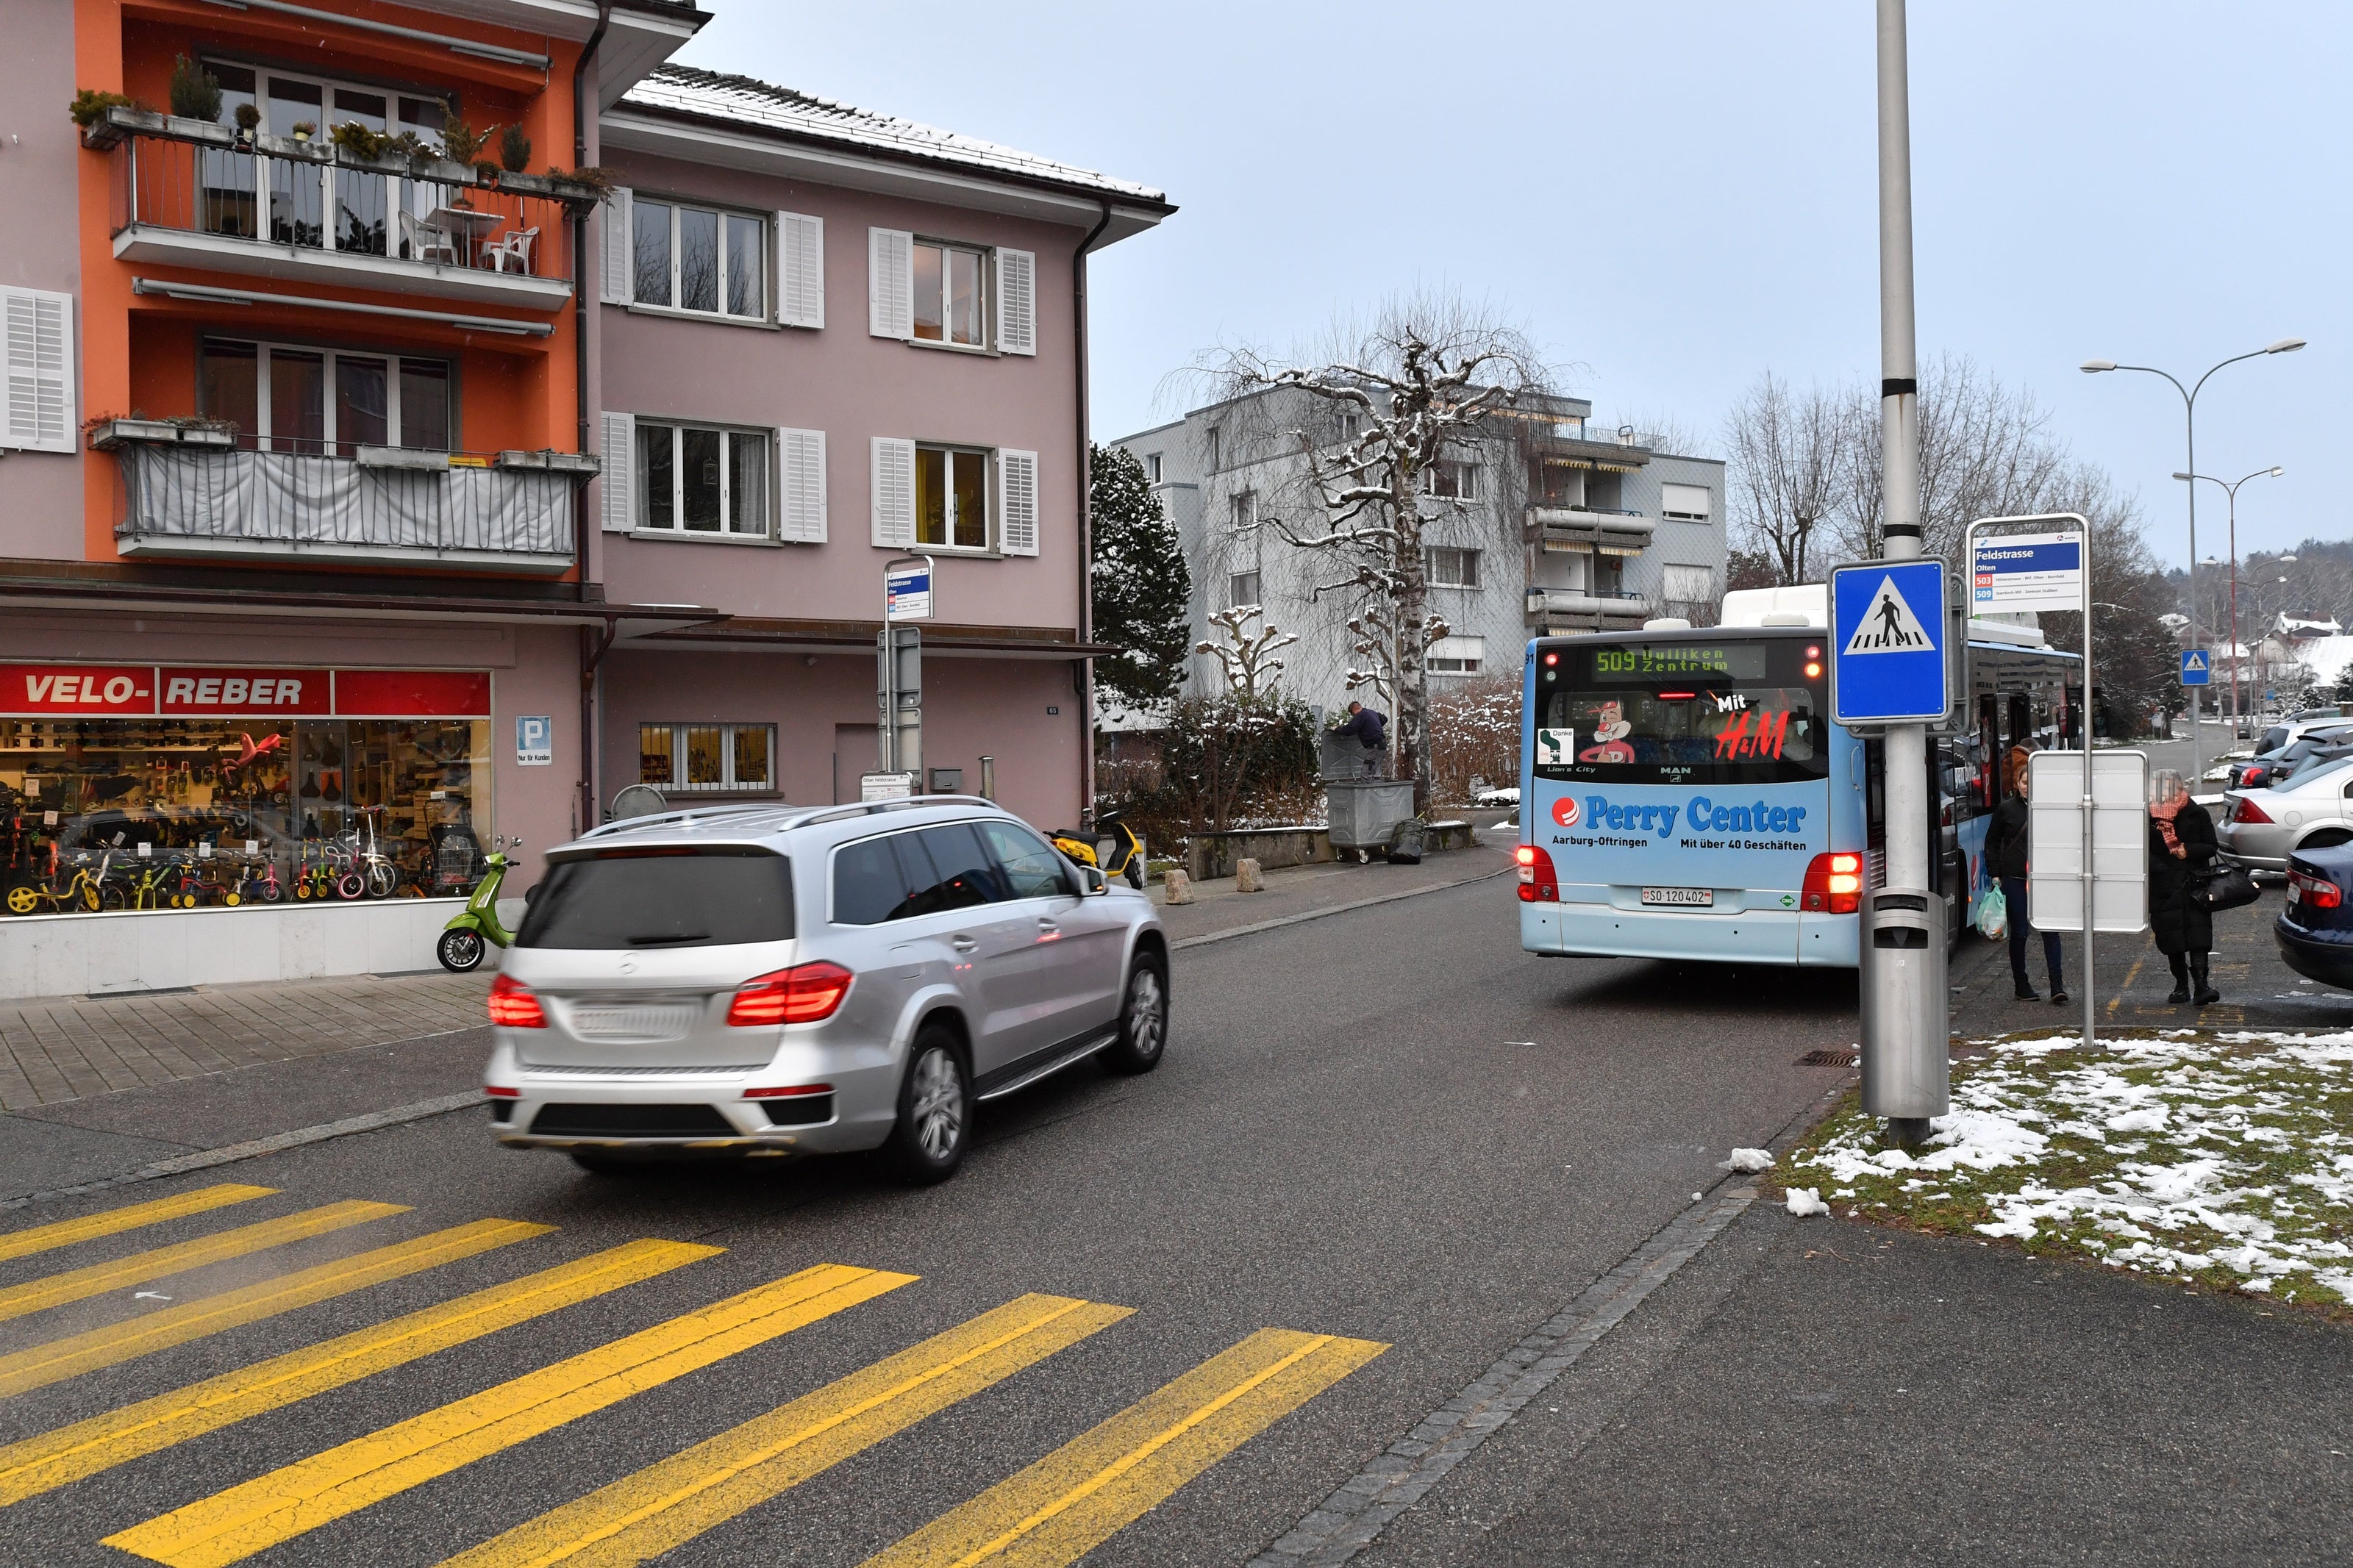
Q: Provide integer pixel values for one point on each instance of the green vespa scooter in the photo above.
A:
(473, 931)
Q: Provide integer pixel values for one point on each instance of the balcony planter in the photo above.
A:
(287, 147)
(550, 462)
(554, 187)
(401, 458)
(114, 433)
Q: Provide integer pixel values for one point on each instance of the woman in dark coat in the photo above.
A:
(2181, 851)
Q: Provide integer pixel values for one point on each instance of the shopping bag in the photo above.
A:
(1993, 915)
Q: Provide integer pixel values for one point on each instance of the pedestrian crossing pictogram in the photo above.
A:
(1888, 625)
(1052, 1511)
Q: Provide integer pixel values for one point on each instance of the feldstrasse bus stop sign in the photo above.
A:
(1888, 632)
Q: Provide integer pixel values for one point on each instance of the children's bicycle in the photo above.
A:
(85, 889)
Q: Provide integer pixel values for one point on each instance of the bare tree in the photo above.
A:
(1985, 451)
(1247, 657)
(1790, 454)
(1392, 402)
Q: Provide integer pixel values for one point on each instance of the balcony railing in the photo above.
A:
(199, 194)
(193, 493)
(1576, 528)
(1586, 605)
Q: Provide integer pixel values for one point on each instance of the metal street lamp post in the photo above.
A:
(2230, 489)
(2189, 421)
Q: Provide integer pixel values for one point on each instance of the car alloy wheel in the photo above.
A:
(937, 1103)
(1142, 1019)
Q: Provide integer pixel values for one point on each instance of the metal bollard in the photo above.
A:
(1906, 1012)
(1179, 886)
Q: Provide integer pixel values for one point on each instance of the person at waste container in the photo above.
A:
(2181, 851)
(1371, 727)
(2005, 854)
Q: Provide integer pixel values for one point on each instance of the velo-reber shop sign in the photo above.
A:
(1887, 642)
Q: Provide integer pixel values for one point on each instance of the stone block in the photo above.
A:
(1179, 886)
(1248, 878)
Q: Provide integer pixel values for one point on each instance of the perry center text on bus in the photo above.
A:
(1684, 794)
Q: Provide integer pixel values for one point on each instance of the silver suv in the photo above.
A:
(780, 980)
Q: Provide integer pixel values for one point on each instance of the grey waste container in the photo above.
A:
(1906, 1009)
(1364, 813)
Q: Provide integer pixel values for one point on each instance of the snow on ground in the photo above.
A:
(2228, 1158)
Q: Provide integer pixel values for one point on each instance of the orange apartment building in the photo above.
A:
(305, 556)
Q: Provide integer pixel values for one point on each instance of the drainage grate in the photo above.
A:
(1827, 1059)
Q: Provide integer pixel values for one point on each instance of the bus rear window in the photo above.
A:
(1726, 711)
(663, 898)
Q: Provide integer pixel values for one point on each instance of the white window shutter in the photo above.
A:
(800, 270)
(1017, 301)
(621, 475)
(620, 259)
(37, 411)
(891, 283)
(1017, 508)
(894, 493)
(802, 455)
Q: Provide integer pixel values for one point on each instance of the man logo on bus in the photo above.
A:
(1564, 811)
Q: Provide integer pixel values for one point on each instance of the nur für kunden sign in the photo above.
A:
(2026, 572)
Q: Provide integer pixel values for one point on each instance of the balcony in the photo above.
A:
(190, 492)
(187, 193)
(1587, 609)
(1578, 528)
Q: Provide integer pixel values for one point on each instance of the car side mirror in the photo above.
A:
(1092, 880)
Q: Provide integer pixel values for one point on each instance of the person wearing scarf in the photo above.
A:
(2005, 859)
(2181, 852)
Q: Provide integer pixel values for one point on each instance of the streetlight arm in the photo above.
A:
(2234, 359)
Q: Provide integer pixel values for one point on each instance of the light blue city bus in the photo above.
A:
(1685, 795)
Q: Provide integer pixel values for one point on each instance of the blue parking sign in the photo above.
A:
(1887, 642)
(2197, 666)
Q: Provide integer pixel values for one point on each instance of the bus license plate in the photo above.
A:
(1699, 897)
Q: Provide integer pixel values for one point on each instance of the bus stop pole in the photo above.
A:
(1907, 849)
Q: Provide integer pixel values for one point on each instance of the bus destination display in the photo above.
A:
(1645, 662)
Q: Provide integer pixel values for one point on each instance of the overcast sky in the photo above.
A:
(1673, 197)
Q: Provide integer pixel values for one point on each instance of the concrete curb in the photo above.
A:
(181, 1165)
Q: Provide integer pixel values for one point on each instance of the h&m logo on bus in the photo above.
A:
(1705, 817)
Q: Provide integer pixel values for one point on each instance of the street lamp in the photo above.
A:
(2189, 420)
(2230, 489)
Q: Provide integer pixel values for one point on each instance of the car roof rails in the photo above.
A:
(874, 807)
(683, 817)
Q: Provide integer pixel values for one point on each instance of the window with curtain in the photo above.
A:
(702, 478)
(952, 497)
(708, 758)
(287, 398)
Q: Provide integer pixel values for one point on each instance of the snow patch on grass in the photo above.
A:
(2226, 1159)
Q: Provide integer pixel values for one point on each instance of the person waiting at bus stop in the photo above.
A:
(2005, 853)
(2181, 850)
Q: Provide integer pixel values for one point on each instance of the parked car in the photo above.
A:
(2260, 828)
(780, 980)
(2316, 930)
(2256, 772)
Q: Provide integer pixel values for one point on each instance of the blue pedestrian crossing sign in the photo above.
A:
(2197, 666)
(1887, 642)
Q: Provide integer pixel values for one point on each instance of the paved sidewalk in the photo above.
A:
(58, 1050)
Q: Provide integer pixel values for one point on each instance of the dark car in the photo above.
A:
(2268, 768)
(2316, 930)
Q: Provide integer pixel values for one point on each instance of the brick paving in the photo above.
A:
(56, 1049)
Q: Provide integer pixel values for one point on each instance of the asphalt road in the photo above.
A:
(1389, 1134)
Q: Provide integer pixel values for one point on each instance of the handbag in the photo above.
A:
(1993, 914)
(2227, 889)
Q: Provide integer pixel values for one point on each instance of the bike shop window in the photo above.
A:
(1728, 711)
(702, 478)
(713, 759)
(699, 258)
(948, 286)
(286, 398)
(952, 497)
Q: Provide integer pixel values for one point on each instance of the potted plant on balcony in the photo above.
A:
(89, 106)
(302, 129)
(360, 142)
(195, 91)
(514, 149)
(249, 121)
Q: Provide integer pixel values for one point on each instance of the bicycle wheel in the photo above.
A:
(269, 893)
(24, 899)
(350, 884)
(383, 878)
(231, 899)
(107, 896)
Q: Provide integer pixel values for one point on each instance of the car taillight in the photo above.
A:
(513, 1006)
(801, 994)
(1834, 884)
(1538, 885)
(2245, 810)
(794, 1092)
(2253, 777)
(2319, 892)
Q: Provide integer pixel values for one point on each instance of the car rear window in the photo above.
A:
(662, 898)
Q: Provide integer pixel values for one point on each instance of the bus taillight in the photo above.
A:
(1834, 884)
(1537, 883)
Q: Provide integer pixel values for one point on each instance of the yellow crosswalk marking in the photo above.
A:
(140, 1267)
(1076, 1498)
(268, 1510)
(642, 1516)
(66, 1232)
(50, 1460)
(176, 1324)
